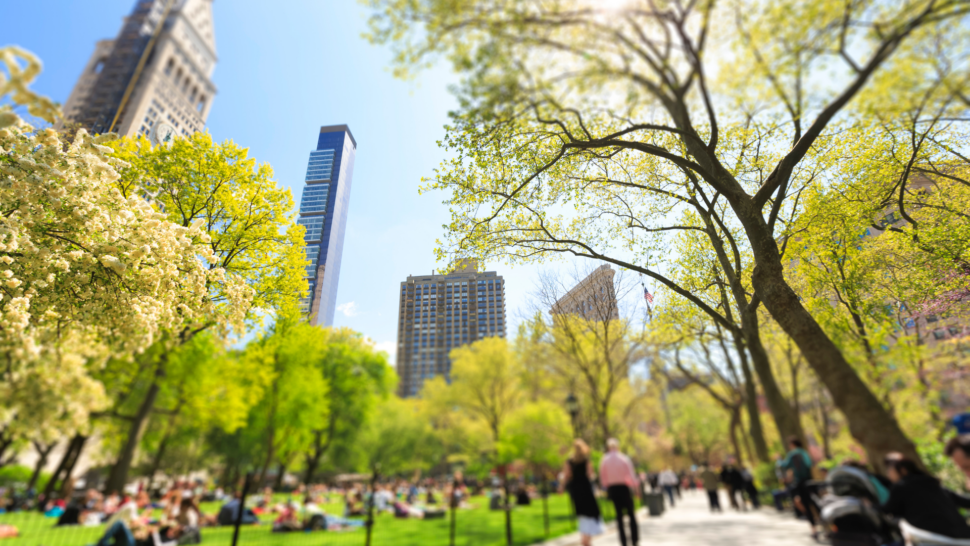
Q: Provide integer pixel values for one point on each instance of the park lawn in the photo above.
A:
(475, 526)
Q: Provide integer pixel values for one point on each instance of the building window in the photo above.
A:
(320, 166)
(98, 66)
(169, 66)
(314, 228)
(314, 199)
(939, 334)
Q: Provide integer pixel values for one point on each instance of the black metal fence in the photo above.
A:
(473, 524)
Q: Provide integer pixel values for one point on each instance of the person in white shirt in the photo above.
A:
(668, 481)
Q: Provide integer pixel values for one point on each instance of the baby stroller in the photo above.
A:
(919, 537)
(850, 512)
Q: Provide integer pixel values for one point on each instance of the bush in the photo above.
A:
(17, 476)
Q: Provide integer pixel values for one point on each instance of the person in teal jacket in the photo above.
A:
(799, 464)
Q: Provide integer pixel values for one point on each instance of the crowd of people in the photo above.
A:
(904, 492)
(171, 516)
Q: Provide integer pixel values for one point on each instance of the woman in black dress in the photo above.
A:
(576, 476)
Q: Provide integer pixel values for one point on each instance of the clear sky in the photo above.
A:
(285, 68)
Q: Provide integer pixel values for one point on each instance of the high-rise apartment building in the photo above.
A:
(441, 312)
(593, 298)
(154, 78)
(323, 212)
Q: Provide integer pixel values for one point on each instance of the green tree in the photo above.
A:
(206, 387)
(485, 383)
(357, 378)
(581, 124)
(247, 224)
(398, 441)
(700, 429)
(294, 401)
(538, 433)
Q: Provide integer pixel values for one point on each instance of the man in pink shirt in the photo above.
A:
(620, 481)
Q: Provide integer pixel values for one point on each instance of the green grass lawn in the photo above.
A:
(476, 526)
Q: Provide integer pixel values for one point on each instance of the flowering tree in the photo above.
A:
(248, 227)
(89, 272)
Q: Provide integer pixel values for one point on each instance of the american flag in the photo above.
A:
(647, 295)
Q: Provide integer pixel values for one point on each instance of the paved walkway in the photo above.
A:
(691, 523)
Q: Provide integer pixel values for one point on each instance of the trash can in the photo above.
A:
(654, 502)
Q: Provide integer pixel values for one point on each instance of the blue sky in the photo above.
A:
(285, 68)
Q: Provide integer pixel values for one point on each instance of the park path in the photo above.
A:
(690, 522)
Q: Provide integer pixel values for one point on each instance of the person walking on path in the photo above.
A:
(668, 480)
(620, 480)
(576, 479)
(710, 480)
(734, 482)
(750, 489)
(799, 464)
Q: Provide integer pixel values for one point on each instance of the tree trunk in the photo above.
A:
(319, 449)
(157, 459)
(71, 454)
(869, 422)
(735, 418)
(280, 470)
(67, 486)
(746, 441)
(226, 479)
(119, 472)
(42, 453)
(312, 462)
(823, 426)
(6, 440)
(786, 420)
(751, 404)
(270, 433)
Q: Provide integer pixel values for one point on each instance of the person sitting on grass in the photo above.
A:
(111, 503)
(126, 522)
(354, 503)
(404, 510)
(230, 511)
(263, 502)
(287, 520)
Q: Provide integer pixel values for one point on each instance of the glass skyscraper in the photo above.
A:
(323, 212)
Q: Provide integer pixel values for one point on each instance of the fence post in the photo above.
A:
(545, 501)
(370, 504)
(242, 508)
(508, 505)
(454, 509)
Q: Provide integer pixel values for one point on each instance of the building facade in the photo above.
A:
(440, 312)
(323, 212)
(593, 298)
(154, 78)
